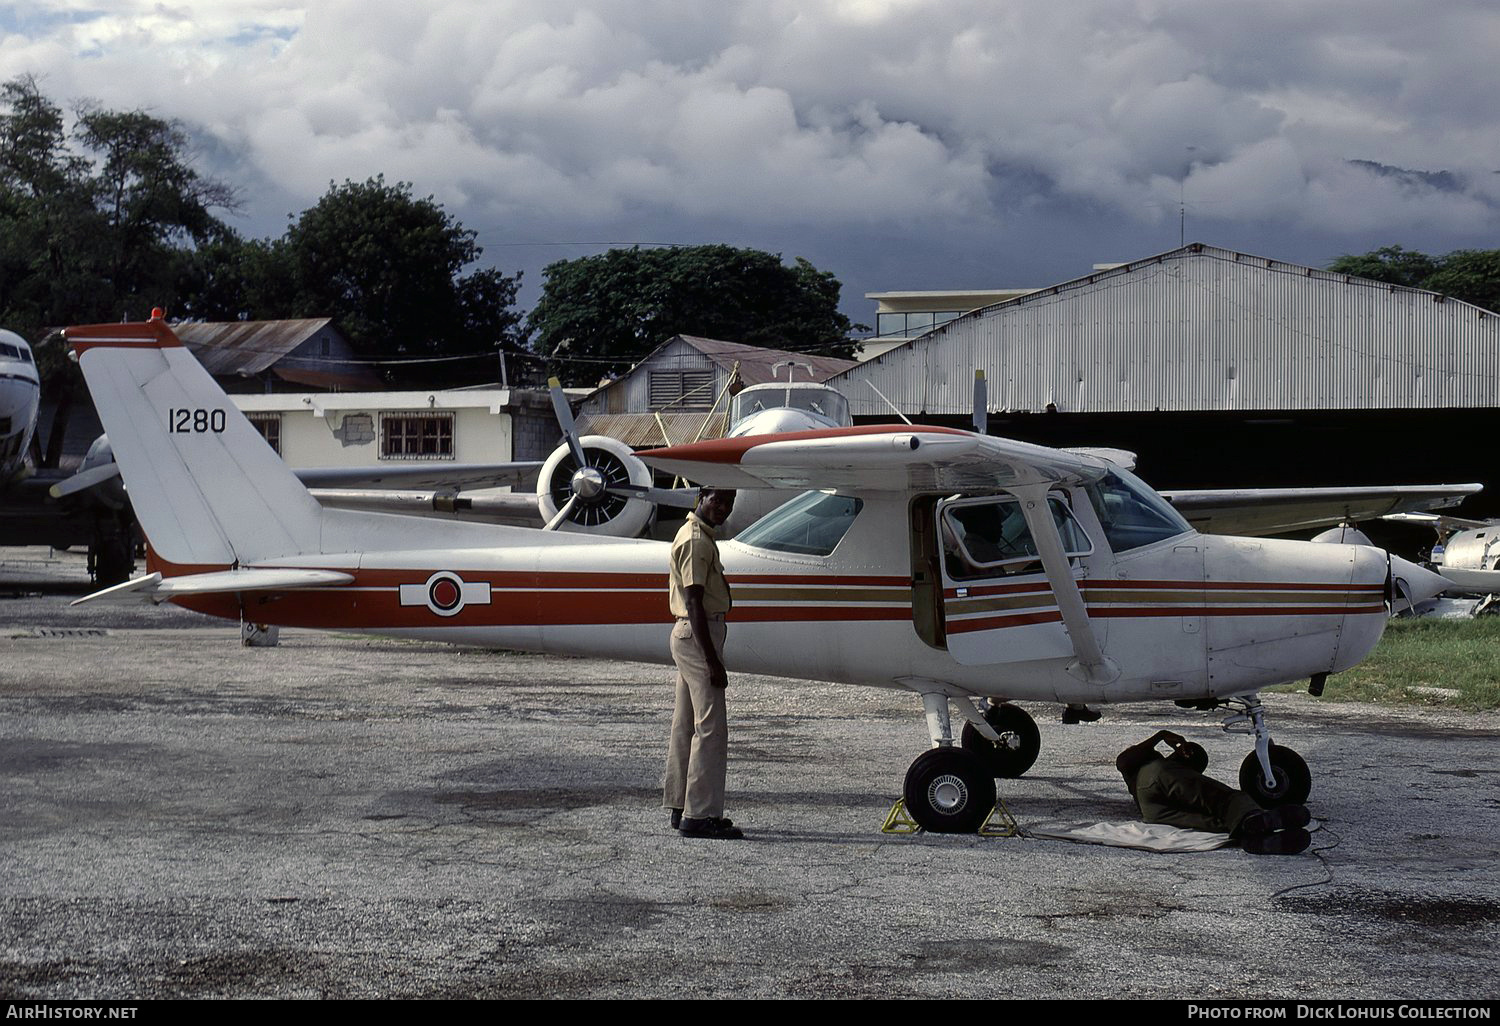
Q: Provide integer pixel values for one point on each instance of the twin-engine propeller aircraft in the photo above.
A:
(968, 569)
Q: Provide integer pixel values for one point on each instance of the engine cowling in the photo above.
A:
(596, 511)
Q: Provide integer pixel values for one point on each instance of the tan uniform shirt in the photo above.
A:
(695, 560)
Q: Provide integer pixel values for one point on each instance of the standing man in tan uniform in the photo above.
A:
(697, 757)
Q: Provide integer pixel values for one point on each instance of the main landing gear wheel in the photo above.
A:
(1020, 740)
(1293, 779)
(949, 791)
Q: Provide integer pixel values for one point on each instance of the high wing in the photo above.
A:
(516, 508)
(877, 458)
(452, 477)
(1264, 511)
(426, 490)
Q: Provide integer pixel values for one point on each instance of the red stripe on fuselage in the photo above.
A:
(1227, 586)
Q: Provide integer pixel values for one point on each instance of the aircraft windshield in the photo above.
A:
(1131, 513)
(825, 402)
(812, 524)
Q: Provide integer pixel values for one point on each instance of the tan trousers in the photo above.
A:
(698, 753)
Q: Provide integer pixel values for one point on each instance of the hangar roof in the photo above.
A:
(1197, 328)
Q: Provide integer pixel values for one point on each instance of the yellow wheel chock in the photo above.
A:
(900, 821)
(999, 823)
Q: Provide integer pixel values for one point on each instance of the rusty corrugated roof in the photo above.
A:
(640, 430)
(756, 362)
(245, 347)
(248, 348)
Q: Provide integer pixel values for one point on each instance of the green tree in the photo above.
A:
(1472, 275)
(1390, 264)
(47, 216)
(95, 232)
(618, 306)
(388, 268)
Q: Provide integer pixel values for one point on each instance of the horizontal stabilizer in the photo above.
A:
(136, 588)
(159, 589)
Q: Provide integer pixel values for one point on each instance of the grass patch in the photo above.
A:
(1460, 657)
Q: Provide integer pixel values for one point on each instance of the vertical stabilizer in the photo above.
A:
(206, 487)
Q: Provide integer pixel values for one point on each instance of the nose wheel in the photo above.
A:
(949, 791)
(1271, 774)
(1020, 740)
(1293, 780)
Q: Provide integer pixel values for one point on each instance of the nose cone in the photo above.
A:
(1363, 624)
(1413, 585)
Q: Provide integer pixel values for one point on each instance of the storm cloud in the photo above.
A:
(897, 143)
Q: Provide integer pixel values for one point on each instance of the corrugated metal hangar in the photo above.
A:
(1220, 368)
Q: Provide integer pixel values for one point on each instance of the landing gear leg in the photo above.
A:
(1271, 774)
(948, 790)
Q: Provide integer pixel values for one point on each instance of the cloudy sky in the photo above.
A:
(901, 144)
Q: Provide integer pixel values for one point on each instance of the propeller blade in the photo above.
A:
(84, 480)
(562, 514)
(681, 498)
(981, 404)
(565, 421)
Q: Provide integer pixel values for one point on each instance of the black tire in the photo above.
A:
(1293, 779)
(1020, 740)
(949, 791)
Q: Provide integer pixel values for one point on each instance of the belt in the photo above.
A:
(711, 616)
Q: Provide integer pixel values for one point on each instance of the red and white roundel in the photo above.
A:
(445, 593)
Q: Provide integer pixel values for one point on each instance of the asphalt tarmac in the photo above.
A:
(348, 817)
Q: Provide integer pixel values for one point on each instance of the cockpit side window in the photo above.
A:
(990, 538)
(812, 524)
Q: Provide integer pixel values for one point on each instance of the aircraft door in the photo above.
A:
(997, 605)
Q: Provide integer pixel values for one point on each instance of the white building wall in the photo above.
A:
(324, 429)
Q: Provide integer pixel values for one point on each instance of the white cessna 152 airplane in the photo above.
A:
(968, 569)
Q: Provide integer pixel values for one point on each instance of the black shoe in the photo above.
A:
(1282, 842)
(716, 827)
(1268, 821)
(723, 821)
(1080, 714)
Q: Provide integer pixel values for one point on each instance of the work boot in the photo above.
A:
(1268, 821)
(1080, 714)
(677, 820)
(714, 827)
(1282, 842)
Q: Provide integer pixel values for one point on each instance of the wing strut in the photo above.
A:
(1092, 665)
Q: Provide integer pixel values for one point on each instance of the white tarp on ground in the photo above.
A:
(1145, 836)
